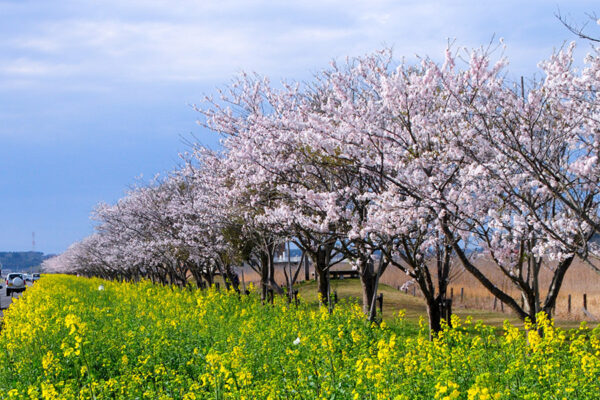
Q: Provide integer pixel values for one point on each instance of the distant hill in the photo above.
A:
(21, 260)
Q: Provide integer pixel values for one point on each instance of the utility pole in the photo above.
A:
(32, 249)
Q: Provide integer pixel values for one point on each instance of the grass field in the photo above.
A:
(414, 306)
(476, 301)
(579, 280)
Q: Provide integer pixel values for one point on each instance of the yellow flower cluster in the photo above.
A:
(64, 339)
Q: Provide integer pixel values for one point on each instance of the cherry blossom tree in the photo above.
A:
(278, 177)
(518, 195)
(372, 126)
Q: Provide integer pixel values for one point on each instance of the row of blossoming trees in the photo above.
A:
(392, 166)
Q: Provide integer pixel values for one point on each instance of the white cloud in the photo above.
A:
(23, 67)
(161, 41)
(201, 41)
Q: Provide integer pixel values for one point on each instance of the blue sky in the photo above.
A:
(96, 93)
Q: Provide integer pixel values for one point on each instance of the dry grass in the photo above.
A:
(475, 300)
(579, 280)
(394, 301)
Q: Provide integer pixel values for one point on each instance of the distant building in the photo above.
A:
(295, 255)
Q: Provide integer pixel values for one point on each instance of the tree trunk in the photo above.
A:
(323, 285)
(233, 278)
(556, 284)
(264, 277)
(321, 261)
(171, 277)
(434, 315)
(197, 276)
(209, 277)
(306, 270)
(272, 283)
(223, 275)
(497, 292)
(367, 281)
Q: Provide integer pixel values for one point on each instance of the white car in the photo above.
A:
(15, 283)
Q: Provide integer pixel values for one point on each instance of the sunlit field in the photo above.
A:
(73, 337)
(579, 280)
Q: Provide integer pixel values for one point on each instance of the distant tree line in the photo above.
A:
(21, 260)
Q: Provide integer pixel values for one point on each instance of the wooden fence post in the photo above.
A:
(585, 301)
(569, 305)
(462, 292)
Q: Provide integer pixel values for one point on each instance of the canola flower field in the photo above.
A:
(66, 339)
